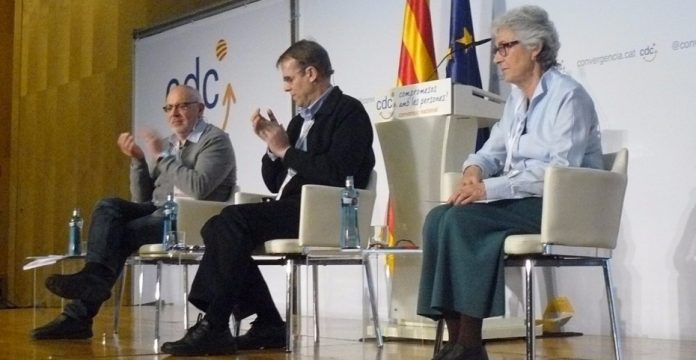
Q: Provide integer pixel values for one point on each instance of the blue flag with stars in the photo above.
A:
(462, 66)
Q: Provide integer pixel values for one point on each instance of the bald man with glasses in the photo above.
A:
(197, 159)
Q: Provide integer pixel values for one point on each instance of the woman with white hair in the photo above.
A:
(549, 120)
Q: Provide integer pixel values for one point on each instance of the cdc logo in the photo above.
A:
(201, 83)
(648, 53)
(205, 81)
(385, 107)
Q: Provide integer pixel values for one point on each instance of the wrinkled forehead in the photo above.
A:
(503, 35)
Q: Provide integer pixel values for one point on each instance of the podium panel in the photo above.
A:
(417, 150)
(416, 153)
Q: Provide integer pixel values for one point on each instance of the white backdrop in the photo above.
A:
(190, 51)
(637, 61)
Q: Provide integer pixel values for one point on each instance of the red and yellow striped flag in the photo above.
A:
(416, 64)
(417, 60)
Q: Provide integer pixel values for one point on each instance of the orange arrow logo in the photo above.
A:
(228, 100)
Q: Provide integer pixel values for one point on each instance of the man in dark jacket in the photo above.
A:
(330, 139)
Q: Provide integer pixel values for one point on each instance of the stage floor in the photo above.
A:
(341, 339)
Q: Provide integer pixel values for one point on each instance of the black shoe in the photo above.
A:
(202, 339)
(459, 352)
(81, 285)
(443, 351)
(262, 337)
(64, 327)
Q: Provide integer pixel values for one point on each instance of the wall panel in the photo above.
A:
(73, 97)
(6, 31)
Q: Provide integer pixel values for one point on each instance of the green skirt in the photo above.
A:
(463, 256)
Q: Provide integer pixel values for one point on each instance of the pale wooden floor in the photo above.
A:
(340, 340)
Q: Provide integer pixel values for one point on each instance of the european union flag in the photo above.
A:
(462, 66)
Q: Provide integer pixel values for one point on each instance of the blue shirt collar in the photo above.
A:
(544, 82)
(539, 91)
(308, 112)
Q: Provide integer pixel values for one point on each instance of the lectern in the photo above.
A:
(432, 129)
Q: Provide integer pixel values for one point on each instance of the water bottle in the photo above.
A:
(74, 233)
(350, 236)
(170, 209)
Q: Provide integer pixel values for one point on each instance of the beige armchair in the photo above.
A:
(318, 244)
(580, 223)
(192, 215)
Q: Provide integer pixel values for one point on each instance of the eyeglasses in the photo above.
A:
(503, 47)
(181, 106)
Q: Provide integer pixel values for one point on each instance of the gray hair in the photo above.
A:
(533, 28)
(192, 93)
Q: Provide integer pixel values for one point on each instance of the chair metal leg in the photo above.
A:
(439, 333)
(158, 295)
(297, 300)
(118, 297)
(612, 311)
(289, 302)
(315, 299)
(237, 326)
(139, 285)
(373, 302)
(185, 296)
(529, 308)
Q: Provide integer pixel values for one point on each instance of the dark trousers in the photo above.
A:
(118, 228)
(228, 281)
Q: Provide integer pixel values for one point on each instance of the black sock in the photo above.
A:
(217, 323)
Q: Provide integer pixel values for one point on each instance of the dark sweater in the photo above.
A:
(339, 144)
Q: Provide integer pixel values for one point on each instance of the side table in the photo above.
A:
(401, 320)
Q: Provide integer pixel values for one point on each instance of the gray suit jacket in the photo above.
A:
(206, 171)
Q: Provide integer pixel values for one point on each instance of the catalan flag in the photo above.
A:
(417, 60)
(416, 64)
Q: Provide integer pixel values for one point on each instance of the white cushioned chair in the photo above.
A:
(192, 215)
(318, 244)
(580, 224)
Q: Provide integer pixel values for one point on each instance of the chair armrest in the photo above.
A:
(582, 207)
(320, 220)
(193, 214)
(250, 198)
